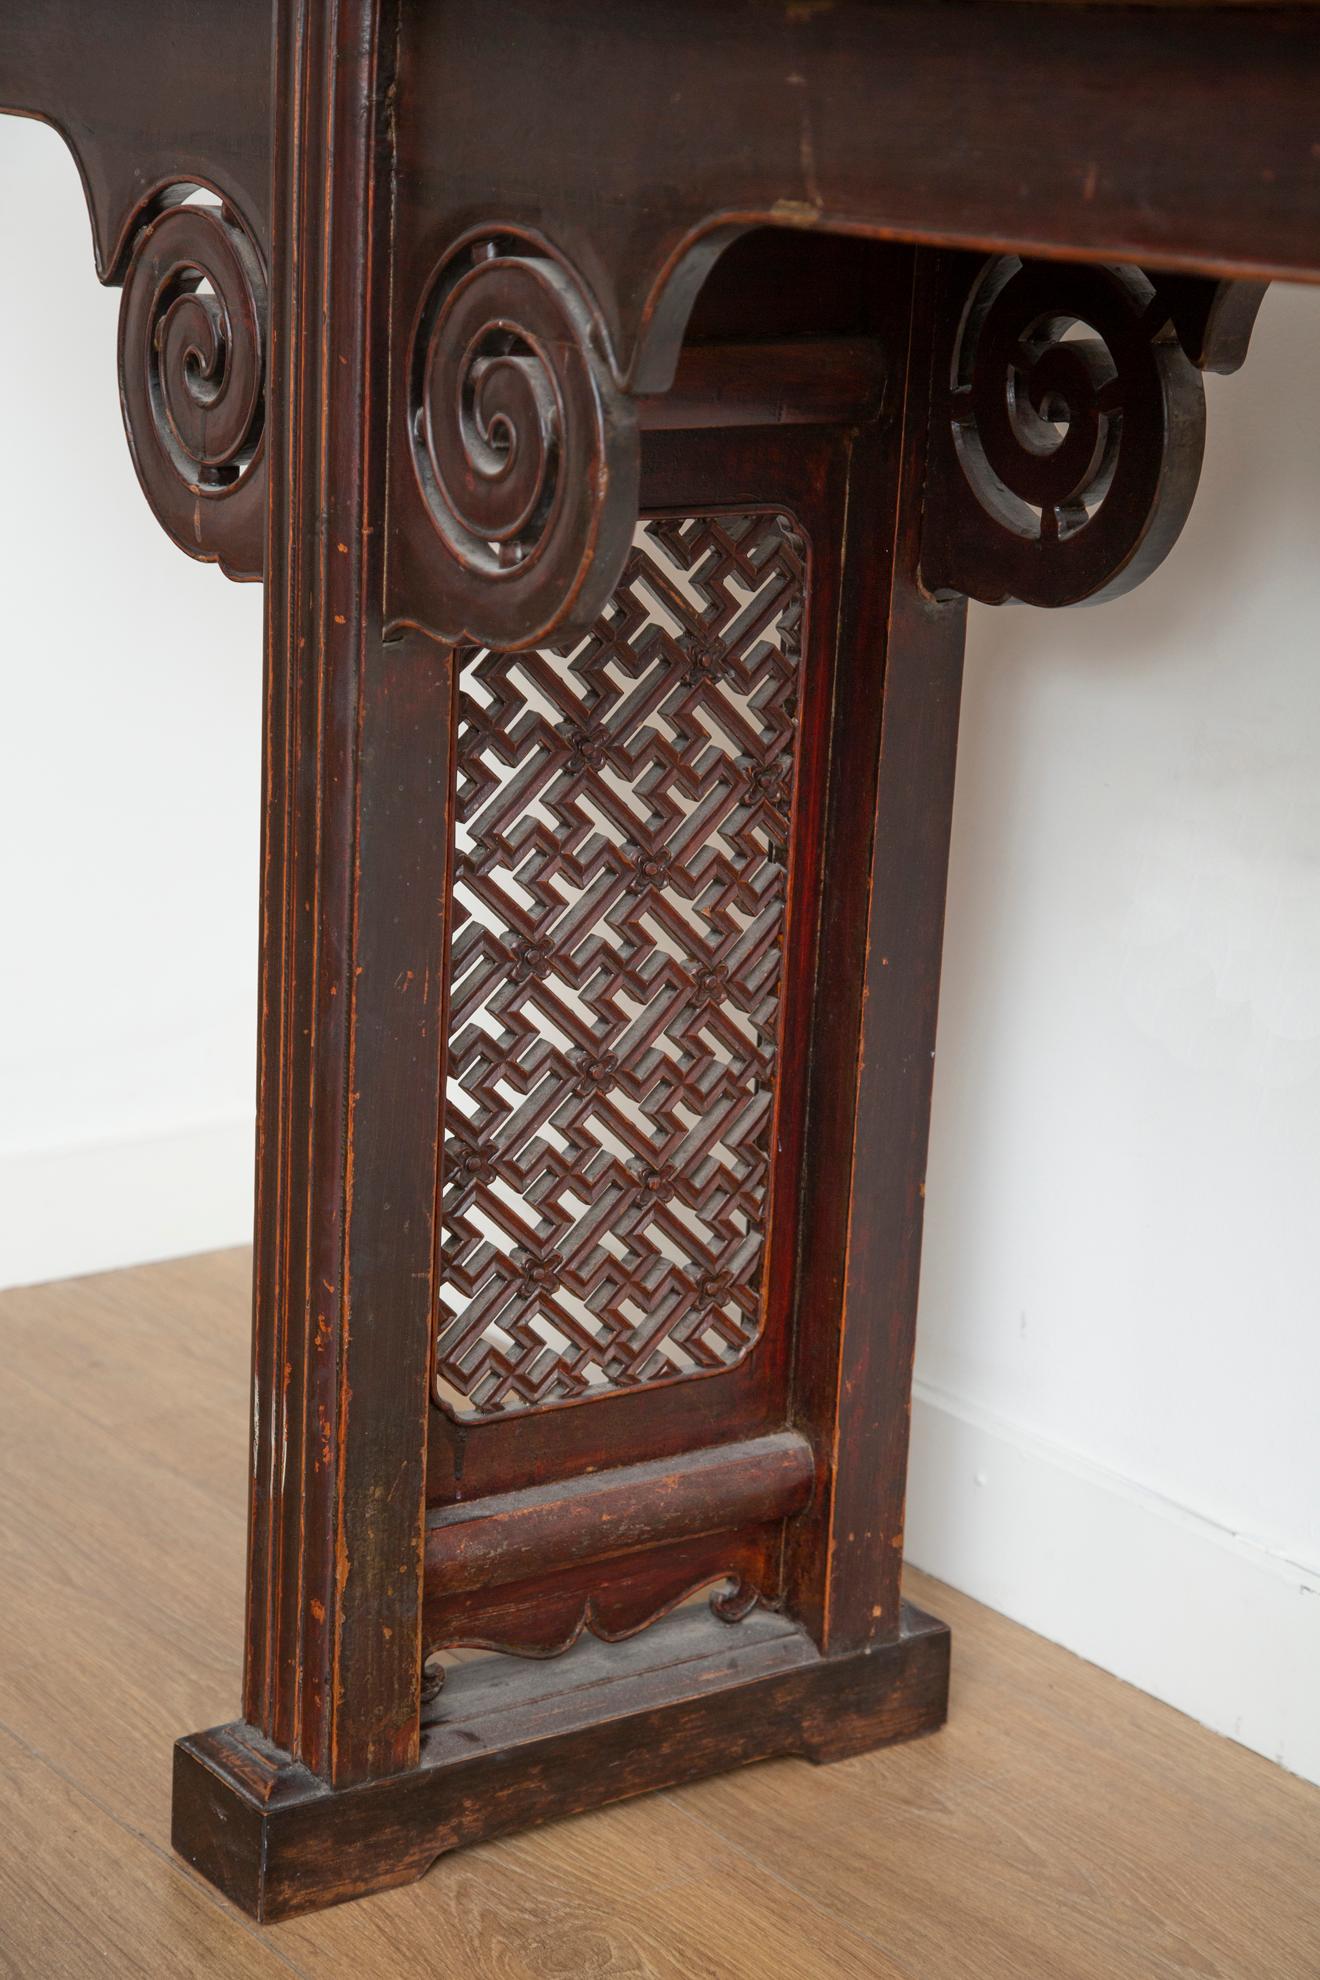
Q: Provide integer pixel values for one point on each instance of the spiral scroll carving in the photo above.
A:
(1075, 429)
(192, 380)
(524, 448)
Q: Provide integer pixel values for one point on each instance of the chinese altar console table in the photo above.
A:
(620, 403)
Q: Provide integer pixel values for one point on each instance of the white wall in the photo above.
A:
(129, 766)
(1116, 1432)
(1120, 1327)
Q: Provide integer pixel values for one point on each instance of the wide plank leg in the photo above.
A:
(339, 1780)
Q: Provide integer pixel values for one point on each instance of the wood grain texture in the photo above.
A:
(890, 758)
(100, 1904)
(1069, 131)
(510, 1746)
(828, 382)
(459, 326)
(146, 95)
(617, 1511)
(1063, 133)
(1062, 1824)
(354, 857)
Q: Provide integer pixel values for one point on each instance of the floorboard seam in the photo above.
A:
(166, 1856)
(177, 1473)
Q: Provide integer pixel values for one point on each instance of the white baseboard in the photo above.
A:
(96, 1205)
(1208, 1620)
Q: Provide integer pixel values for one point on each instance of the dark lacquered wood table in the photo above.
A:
(620, 404)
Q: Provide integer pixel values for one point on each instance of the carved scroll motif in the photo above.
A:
(1068, 429)
(192, 333)
(524, 448)
(622, 840)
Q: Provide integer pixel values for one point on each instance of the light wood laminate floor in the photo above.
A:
(1062, 1827)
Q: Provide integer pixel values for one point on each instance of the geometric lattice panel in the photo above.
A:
(623, 813)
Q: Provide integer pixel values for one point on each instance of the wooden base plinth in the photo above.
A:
(509, 1744)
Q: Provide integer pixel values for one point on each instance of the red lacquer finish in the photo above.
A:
(620, 404)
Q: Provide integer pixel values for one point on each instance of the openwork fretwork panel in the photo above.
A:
(623, 814)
